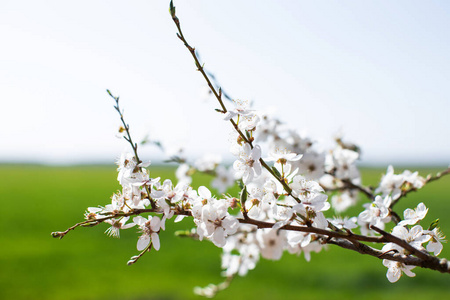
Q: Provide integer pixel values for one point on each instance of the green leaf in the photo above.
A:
(183, 233)
(243, 195)
(172, 9)
(434, 224)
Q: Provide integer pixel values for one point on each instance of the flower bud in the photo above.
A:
(130, 262)
(58, 234)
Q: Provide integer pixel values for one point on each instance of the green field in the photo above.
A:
(87, 264)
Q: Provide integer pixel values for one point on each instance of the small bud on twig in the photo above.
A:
(58, 234)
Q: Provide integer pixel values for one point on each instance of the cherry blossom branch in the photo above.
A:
(348, 235)
(214, 222)
(200, 68)
(393, 239)
(352, 242)
(112, 215)
(347, 239)
(310, 229)
(212, 289)
(260, 224)
(429, 178)
(218, 96)
(438, 175)
(130, 141)
(434, 263)
(347, 183)
(352, 238)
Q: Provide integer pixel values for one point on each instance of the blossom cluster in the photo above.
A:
(281, 208)
(292, 196)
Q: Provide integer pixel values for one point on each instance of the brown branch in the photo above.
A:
(344, 239)
(402, 243)
(435, 263)
(309, 229)
(352, 241)
(365, 190)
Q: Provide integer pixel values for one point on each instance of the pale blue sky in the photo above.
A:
(380, 70)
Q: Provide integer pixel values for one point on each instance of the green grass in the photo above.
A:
(87, 264)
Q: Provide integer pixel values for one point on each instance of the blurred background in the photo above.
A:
(377, 71)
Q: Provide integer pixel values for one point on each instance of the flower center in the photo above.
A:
(250, 162)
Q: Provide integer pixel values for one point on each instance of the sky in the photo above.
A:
(378, 71)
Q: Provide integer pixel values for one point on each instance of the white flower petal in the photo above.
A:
(155, 241)
(393, 274)
(204, 192)
(143, 242)
(155, 223)
(179, 218)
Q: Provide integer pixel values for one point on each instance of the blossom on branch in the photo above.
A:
(247, 166)
(436, 240)
(212, 218)
(150, 232)
(411, 217)
(395, 270)
(277, 209)
(376, 213)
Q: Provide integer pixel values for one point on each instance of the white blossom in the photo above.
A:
(116, 225)
(376, 212)
(282, 156)
(393, 183)
(436, 240)
(411, 217)
(212, 218)
(272, 243)
(150, 232)
(305, 189)
(311, 166)
(390, 184)
(342, 162)
(241, 109)
(247, 165)
(414, 236)
(396, 268)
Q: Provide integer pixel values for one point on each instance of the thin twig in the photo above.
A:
(95, 222)
(134, 259)
(133, 145)
(218, 96)
(427, 180)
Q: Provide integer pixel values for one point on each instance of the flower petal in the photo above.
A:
(155, 241)
(143, 242)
